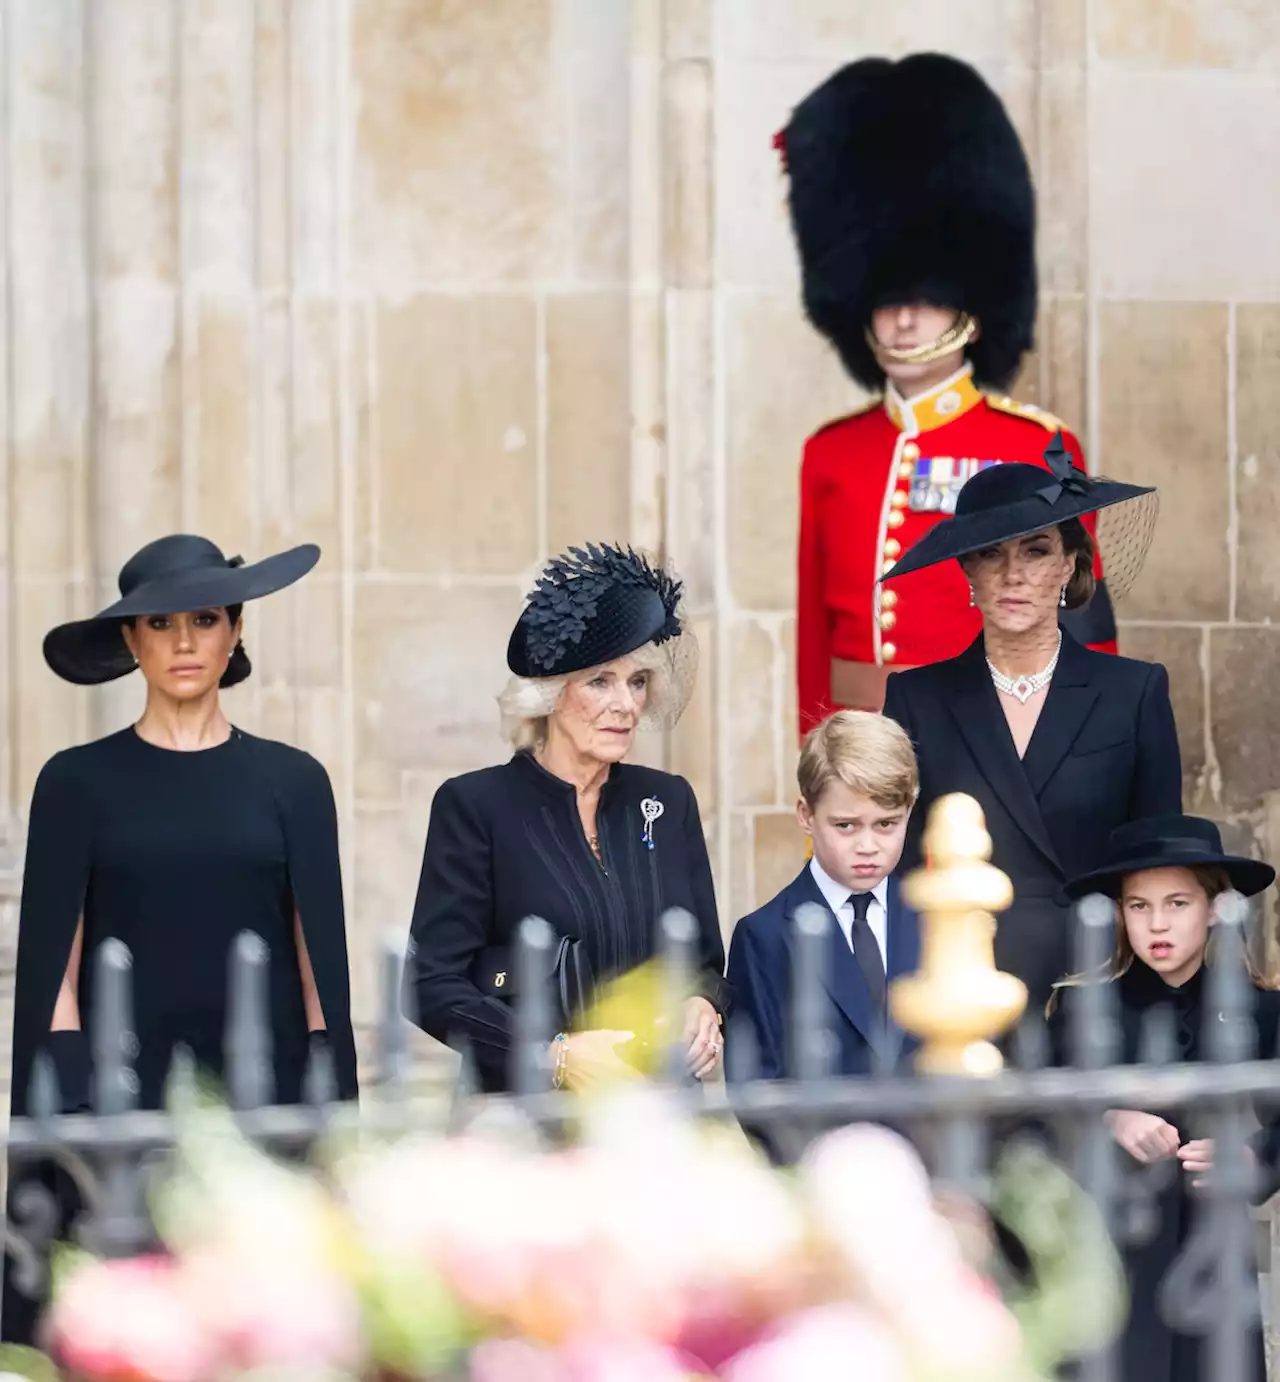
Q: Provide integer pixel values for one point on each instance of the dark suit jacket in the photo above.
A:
(1105, 751)
(760, 976)
(506, 843)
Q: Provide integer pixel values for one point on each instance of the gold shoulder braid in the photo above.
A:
(1003, 404)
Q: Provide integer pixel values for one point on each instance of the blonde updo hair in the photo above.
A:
(526, 704)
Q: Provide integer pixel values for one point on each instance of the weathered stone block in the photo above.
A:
(451, 182)
(429, 661)
(1243, 35)
(1164, 423)
(784, 382)
(588, 432)
(1257, 463)
(1244, 669)
(455, 435)
(1182, 652)
(753, 713)
(1179, 209)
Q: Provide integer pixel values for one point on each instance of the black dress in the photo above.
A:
(1104, 752)
(175, 854)
(506, 843)
(1153, 1350)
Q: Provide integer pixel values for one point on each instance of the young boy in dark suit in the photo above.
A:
(858, 783)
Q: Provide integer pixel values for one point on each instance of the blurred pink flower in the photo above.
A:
(130, 1321)
(581, 1360)
(832, 1341)
(966, 1332)
(276, 1312)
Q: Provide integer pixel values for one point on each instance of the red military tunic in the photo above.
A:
(872, 485)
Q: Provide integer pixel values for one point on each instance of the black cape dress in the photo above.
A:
(175, 854)
(1152, 1348)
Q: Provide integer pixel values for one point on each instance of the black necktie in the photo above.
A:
(866, 950)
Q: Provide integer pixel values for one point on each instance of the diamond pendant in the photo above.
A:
(1022, 689)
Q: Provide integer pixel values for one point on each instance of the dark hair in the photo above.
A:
(1077, 542)
(239, 668)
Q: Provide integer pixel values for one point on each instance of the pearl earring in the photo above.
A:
(1062, 599)
(971, 599)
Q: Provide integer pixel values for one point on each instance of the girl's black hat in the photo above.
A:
(1013, 500)
(1162, 842)
(169, 576)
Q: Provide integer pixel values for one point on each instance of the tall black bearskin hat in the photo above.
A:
(908, 184)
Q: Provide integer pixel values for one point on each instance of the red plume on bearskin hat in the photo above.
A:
(908, 183)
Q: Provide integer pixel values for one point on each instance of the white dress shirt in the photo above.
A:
(837, 898)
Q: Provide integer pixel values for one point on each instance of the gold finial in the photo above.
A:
(957, 1000)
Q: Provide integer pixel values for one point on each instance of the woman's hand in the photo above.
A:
(1144, 1136)
(591, 1060)
(1197, 1156)
(702, 1037)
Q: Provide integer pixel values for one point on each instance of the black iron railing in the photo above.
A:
(1211, 1288)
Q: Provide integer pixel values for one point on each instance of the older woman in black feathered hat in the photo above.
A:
(1059, 744)
(174, 836)
(569, 832)
(1165, 875)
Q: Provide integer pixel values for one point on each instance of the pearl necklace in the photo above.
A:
(1023, 688)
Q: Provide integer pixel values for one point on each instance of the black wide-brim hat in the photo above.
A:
(908, 183)
(1014, 500)
(1162, 842)
(592, 606)
(169, 576)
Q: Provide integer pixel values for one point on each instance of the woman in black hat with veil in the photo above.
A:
(1058, 743)
(567, 831)
(174, 836)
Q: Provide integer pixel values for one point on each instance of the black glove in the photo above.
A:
(69, 1052)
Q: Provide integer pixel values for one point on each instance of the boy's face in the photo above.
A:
(855, 841)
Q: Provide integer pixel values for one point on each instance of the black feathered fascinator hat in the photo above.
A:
(168, 576)
(595, 604)
(1013, 500)
(908, 183)
(1161, 842)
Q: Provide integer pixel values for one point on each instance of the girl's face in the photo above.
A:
(1167, 915)
(183, 655)
(599, 710)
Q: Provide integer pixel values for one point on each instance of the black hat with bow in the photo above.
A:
(1164, 842)
(169, 576)
(1014, 500)
(908, 184)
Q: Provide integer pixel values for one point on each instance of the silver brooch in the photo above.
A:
(650, 808)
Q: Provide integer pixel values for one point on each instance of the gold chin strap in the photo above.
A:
(955, 337)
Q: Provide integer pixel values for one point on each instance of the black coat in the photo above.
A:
(1152, 1349)
(1104, 751)
(506, 843)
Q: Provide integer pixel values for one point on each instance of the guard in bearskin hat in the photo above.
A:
(914, 215)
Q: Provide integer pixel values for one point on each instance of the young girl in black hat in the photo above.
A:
(1165, 875)
(174, 836)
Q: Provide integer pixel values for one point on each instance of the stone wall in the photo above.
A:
(447, 286)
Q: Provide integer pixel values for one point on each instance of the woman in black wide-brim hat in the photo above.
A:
(174, 836)
(1059, 744)
(569, 832)
(1165, 875)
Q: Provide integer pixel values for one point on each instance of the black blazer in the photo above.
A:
(1105, 751)
(506, 843)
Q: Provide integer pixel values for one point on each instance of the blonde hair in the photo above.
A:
(526, 704)
(867, 752)
(1215, 881)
